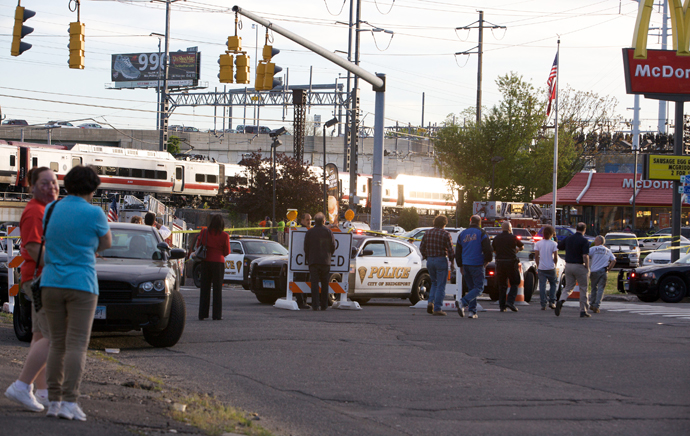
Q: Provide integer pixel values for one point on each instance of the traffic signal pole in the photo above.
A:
(378, 83)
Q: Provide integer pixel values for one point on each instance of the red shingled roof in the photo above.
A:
(608, 189)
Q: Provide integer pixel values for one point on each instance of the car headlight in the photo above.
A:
(146, 286)
(647, 275)
(647, 260)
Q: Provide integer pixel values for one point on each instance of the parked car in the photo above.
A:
(380, 267)
(257, 130)
(562, 232)
(191, 129)
(670, 282)
(393, 230)
(664, 235)
(356, 226)
(64, 124)
(15, 123)
(90, 126)
(662, 255)
(625, 247)
(243, 250)
(530, 274)
(415, 236)
(175, 128)
(138, 282)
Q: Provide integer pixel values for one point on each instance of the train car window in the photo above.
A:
(76, 161)
(149, 174)
(13, 160)
(123, 172)
(110, 171)
(34, 162)
(54, 166)
(178, 173)
(211, 178)
(162, 175)
(436, 196)
(137, 172)
(200, 178)
(99, 170)
(364, 188)
(388, 192)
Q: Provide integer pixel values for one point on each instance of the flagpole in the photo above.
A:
(555, 139)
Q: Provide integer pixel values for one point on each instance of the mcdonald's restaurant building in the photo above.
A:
(604, 202)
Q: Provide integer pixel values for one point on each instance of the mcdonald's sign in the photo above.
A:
(662, 72)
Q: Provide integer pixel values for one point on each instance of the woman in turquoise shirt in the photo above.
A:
(76, 230)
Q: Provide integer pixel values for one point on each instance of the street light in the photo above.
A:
(494, 161)
(328, 124)
(276, 143)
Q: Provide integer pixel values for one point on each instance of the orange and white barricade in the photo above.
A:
(340, 263)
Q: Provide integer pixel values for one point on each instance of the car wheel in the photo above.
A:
(648, 298)
(421, 288)
(332, 298)
(361, 301)
(22, 318)
(197, 275)
(561, 285)
(530, 281)
(672, 289)
(266, 299)
(173, 331)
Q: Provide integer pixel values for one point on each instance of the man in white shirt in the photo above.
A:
(546, 257)
(602, 261)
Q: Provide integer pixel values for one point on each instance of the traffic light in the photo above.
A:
(242, 64)
(20, 30)
(225, 63)
(266, 70)
(76, 45)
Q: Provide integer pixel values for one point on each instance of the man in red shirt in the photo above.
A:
(44, 186)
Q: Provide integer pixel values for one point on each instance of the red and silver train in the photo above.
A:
(156, 172)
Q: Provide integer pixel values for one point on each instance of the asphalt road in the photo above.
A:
(392, 370)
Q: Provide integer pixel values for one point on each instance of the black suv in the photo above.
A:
(139, 288)
(243, 249)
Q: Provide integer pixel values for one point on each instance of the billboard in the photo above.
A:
(134, 70)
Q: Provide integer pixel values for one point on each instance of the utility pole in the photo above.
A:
(163, 134)
(354, 116)
(480, 53)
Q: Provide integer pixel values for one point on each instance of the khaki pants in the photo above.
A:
(575, 272)
(70, 317)
(39, 322)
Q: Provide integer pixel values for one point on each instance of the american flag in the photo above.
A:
(551, 83)
(112, 212)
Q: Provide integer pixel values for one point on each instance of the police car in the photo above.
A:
(243, 250)
(380, 267)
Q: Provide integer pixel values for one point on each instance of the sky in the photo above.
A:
(419, 59)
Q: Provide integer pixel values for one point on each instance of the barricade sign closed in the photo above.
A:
(340, 261)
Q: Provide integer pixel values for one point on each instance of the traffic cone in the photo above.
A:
(575, 295)
(520, 298)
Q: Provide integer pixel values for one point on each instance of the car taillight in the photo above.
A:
(519, 237)
(632, 275)
(537, 238)
(491, 273)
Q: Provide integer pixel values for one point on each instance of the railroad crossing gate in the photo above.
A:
(340, 263)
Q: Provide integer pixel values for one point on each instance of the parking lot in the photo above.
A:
(392, 370)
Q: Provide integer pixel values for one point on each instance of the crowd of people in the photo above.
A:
(584, 265)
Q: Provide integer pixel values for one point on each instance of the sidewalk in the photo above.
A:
(117, 400)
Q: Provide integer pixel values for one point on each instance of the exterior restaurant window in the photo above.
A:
(604, 202)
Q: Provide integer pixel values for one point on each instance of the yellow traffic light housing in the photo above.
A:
(242, 64)
(76, 45)
(266, 70)
(225, 63)
(21, 14)
(234, 43)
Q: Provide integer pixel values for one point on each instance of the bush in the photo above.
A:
(409, 218)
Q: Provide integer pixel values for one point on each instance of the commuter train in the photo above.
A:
(159, 173)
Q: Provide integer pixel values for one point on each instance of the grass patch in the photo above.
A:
(6, 318)
(212, 416)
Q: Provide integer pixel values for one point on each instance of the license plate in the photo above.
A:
(626, 286)
(269, 284)
(100, 312)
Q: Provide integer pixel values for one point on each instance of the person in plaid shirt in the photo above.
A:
(437, 249)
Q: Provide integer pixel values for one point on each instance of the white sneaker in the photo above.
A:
(53, 409)
(71, 411)
(44, 401)
(24, 397)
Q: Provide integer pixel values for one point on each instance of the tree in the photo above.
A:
(296, 187)
(408, 219)
(173, 145)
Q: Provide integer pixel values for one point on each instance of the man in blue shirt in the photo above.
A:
(472, 253)
(576, 268)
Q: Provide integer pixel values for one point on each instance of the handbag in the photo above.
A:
(36, 282)
(200, 252)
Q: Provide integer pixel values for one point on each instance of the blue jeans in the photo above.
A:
(474, 277)
(550, 275)
(438, 271)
